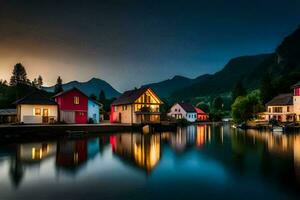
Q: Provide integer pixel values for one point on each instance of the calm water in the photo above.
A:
(197, 162)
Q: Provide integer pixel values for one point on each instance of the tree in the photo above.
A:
(40, 82)
(238, 90)
(3, 82)
(102, 97)
(34, 83)
(246, 108)
(217, 104)
(58, 86)
(267, 91)
(93, 96)
(19, 75)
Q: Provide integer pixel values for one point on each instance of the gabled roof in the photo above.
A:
(199, 111)
(187, 107)
(296, 85)
(130, 96)
(281, 100)
(67, 91)
(95, 101)
(36, 98)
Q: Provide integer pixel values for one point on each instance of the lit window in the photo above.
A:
(37, 111)
(76, 100)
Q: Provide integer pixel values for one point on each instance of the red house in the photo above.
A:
(201, 115)
(72, 106)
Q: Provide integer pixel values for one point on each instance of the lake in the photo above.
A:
(196, 162)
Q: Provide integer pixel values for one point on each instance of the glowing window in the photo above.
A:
(37, 111)
(76, 100)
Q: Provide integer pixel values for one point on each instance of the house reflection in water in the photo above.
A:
(202, 135)
(35, 152)
(141, 150)
(26, 155)
(71, 154)
(282, 145)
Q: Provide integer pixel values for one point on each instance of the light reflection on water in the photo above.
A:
(196, 161)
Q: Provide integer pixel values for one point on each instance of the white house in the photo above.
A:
(183, 111)
(36, 108)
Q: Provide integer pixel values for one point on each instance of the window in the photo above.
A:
(115, 108)
(124, 107)
(277, 109)
(37, 112)
(76, 100)
(178, 110)
(288, 109)
(270, 110)
(175, 110)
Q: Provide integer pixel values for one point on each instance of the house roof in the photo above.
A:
(8, 112)
(36, 98)
(130, 96)
(67, 91)
(187, 107)
(281, 100)
(199, 111)
(95, 101)
(296, 85)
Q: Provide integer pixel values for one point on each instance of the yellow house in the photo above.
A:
(281, 108)
(139, 106)
(36, 108)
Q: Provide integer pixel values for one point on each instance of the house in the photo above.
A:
(73, 106)
(94, 110)
(296, 100)
(183, 111)
(36, 108)
(201, 115)
(139, 106)
(280, 108)
(8, 116)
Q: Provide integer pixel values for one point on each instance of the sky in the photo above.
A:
(129, 43)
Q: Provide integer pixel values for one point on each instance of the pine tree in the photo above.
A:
(238, 90)
(19, 75)
(58, 87)
(34, 83)
(40, 82)
(102, 97)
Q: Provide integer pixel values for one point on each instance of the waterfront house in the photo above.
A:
(280, 108)
(201, 115)
(183, 111)
(36, 108)
(73, 106)
(94, 111)
(296, 101)
(139, 106)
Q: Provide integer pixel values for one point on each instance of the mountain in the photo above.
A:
(93, 86)
(167, 87)
(283, 65)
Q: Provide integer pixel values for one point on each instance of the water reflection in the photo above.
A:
(142, 151)
(263, 156)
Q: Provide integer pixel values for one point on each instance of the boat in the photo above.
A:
(278, 129)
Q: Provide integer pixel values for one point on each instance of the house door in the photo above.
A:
(120, 117)
(45, 115)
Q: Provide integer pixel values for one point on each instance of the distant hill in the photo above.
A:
(93, 86)
(283, 65)
(167, 87)
(181, 88)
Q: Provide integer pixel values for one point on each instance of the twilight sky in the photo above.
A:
(133, 42)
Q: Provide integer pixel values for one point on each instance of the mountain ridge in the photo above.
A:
(92, 86)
